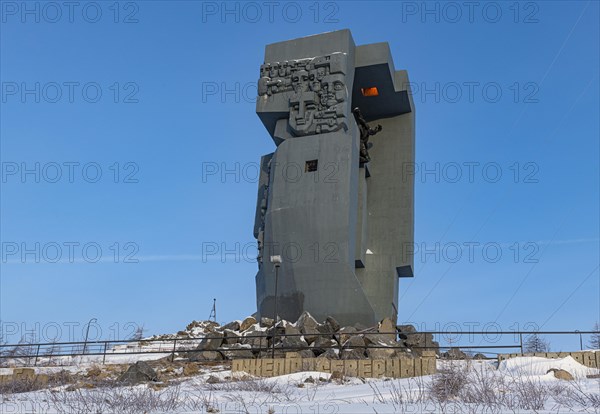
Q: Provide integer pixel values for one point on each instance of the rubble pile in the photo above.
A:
(306, 338)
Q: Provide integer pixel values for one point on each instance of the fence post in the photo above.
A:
(37, 353)
(173, 354)
(521, 340)
(260, 338)
(104, 352)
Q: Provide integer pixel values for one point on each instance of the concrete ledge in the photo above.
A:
(366, 368)
(590, 359)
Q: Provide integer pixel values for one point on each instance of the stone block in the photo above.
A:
(267, 367)
(293, 365)
(336, 365)
(23, 373)
(364, 368)
(407, 367)
(279, 367)
(323, 364)
(308, 364)
(392, 368)
(351, 368)
(378, 368)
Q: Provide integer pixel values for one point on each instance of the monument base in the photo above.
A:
(366, 368)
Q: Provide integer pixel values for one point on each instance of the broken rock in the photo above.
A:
(561, 374)
(205, 356)
(247, 323)
(138, 373)
(211, 342)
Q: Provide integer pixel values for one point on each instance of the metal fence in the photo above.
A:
(61, 353)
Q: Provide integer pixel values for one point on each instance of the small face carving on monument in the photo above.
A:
(300, 81)
(334, 90)
(302, 113)
(320, 73)
(282, 68)
(315, 86)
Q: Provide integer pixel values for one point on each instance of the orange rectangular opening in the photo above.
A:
(372, 91)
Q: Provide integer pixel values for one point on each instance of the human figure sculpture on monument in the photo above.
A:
(365, 132)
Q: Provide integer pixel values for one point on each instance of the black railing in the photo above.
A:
(51, 352)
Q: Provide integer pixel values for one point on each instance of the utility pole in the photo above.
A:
(276, 260)
(213, 312)
(87, 331)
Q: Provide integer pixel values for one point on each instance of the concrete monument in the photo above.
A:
(335, 199)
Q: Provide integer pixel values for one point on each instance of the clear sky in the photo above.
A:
(129, 146)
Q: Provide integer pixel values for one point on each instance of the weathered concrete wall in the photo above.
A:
(366, 368)
(588, 358)
(24, 374)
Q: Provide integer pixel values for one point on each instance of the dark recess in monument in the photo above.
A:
(311, 166)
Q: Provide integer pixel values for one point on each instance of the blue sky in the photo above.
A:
(140, 130)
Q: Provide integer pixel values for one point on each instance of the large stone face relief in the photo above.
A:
(318, 97)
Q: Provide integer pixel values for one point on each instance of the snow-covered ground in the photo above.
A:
(518, 385)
